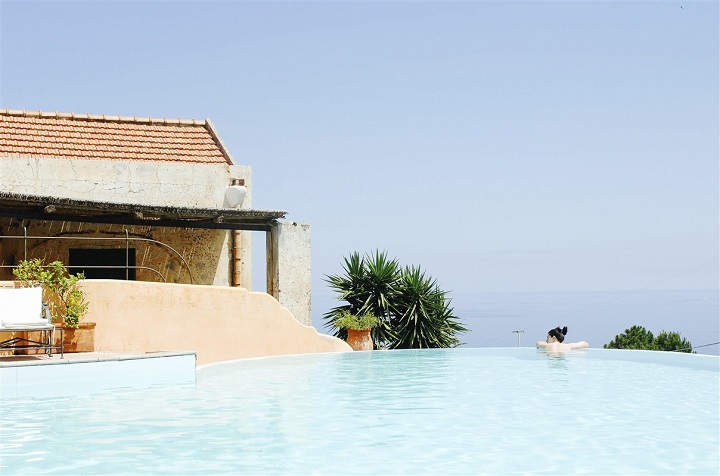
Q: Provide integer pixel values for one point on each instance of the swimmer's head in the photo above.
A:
(557, 333)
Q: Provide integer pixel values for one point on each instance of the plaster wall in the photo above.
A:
(289, 279)
(130, 181)
(218, 323)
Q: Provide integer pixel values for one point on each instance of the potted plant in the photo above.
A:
(65, 298)
(358, 329)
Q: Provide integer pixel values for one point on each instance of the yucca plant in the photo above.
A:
(423, 317)
(366, 286)
(412, 311)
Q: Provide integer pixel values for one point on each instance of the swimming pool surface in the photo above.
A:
(460, 411)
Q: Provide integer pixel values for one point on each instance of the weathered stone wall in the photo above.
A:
(208, 252)
(131, 181)
(289, 268)
(204, 251)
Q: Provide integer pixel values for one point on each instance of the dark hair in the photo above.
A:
(558, 333)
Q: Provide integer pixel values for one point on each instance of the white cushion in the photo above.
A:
(21, 307)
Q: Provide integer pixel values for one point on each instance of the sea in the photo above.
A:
(521, 319)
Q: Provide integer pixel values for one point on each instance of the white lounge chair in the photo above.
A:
(22, 310)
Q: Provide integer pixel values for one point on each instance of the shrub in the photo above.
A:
(358, 323)
(637, 337)
(69, 305)
(412, 310)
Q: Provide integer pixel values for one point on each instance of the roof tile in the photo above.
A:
(67, 135)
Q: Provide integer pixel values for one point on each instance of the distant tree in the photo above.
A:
(413, 312)
(672, 341)
(637, 337)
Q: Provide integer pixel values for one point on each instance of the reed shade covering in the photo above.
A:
(23, 206)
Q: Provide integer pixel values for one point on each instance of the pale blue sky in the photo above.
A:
(502, 146)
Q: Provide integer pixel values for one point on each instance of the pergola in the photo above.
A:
(21, 206)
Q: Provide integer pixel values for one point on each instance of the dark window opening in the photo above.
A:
(94, 263)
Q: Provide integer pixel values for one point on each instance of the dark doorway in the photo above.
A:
(88, 261)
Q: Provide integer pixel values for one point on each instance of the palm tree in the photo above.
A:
(413, 312)
(367, 286)
(423, 317)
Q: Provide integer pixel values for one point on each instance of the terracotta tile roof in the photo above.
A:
(42, 134)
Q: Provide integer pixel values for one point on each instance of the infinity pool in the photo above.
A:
(460, 411)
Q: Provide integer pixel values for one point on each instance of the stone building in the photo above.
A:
(140, 199)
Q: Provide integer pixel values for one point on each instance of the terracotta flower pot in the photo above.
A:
(81, 339)
(359, 340)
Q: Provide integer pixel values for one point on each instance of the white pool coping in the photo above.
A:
(83, 373)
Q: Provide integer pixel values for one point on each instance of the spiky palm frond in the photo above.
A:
(366, 286)
(412, 311)
(423, 317)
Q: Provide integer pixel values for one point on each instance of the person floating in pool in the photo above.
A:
(554, 341)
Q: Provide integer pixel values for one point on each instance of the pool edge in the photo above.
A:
(84, 374)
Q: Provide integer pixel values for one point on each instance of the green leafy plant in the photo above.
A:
(31, 272)
(412, 311)
(423, 316)
(359, 323)
(637, 337)
(67, 300)
(672, 341)
(367, 286)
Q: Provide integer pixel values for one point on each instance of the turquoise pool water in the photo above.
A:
(460, 411)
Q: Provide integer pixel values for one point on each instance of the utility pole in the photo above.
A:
(518, 333)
